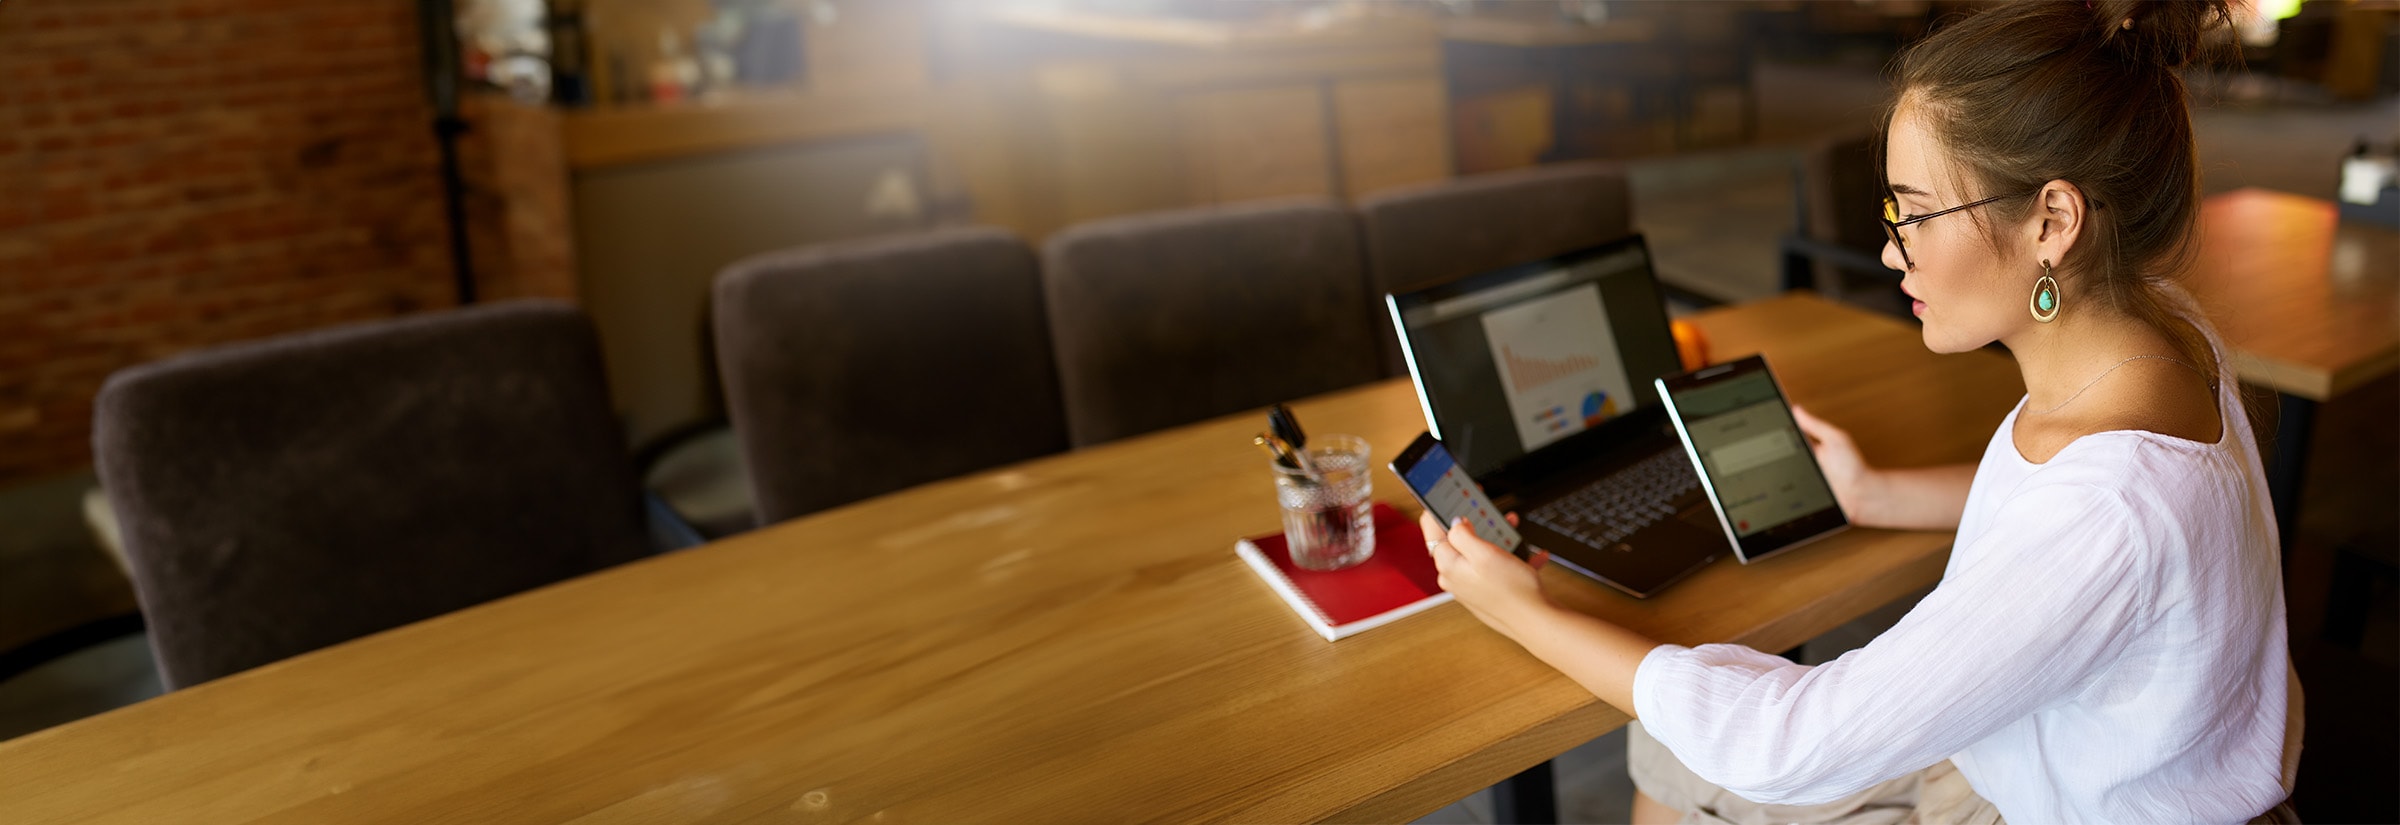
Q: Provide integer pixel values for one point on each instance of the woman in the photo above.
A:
(2107, 642)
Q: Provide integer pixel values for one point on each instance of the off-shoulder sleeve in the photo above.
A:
(2053, 593)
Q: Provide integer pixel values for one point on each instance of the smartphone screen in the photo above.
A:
(1429, 472)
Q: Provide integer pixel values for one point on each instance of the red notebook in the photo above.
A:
(1399, 580)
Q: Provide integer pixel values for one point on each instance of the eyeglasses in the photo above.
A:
(1892, 221)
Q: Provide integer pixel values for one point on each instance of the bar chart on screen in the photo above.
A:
(1527, 373)
(1558, 366)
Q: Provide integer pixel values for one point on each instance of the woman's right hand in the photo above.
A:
(1854, 483)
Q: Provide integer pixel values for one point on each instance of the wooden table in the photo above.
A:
(1067, 639)
(2309, 305)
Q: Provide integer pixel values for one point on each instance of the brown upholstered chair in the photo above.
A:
(1837, 245)
(1424, 235)
(862, 367)
(1172, 317)
(284, 495)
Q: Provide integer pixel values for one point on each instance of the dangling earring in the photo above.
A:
(2045, 297)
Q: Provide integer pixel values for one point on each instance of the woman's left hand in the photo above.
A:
(1502, 591)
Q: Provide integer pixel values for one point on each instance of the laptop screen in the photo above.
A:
(1512, 361)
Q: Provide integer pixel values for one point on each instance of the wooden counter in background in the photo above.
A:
(610, 136)
(1031, 122)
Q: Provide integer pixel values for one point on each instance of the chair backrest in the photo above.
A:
(1837, 245)
(1425, 235)
(1837, 192)
(862, 367)
(1172, 317)
(284, 495)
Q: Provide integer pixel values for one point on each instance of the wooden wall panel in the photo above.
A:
(1245, 144)
(1394, 131)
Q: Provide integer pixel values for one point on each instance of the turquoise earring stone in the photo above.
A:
(2044, 304)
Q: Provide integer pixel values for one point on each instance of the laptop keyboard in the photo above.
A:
(1606, 511)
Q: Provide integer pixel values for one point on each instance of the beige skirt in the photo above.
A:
(1938, 795)
(1934, 795)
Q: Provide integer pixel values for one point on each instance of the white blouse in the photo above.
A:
(2106, 645)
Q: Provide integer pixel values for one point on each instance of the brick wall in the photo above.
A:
(178, 173)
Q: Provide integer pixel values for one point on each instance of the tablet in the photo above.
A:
(1755, 466)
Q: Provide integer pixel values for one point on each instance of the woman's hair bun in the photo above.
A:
(2169, 33)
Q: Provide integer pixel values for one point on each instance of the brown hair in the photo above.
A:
(2030, 92)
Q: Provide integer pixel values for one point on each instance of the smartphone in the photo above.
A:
(1430, 474)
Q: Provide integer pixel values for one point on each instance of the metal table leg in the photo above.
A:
(2295, 421)
(1530, 798)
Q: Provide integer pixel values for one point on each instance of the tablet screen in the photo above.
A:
(1757, 467)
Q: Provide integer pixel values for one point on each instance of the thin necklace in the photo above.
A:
(2212, 382)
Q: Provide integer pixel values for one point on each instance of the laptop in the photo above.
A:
(1538, 378)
